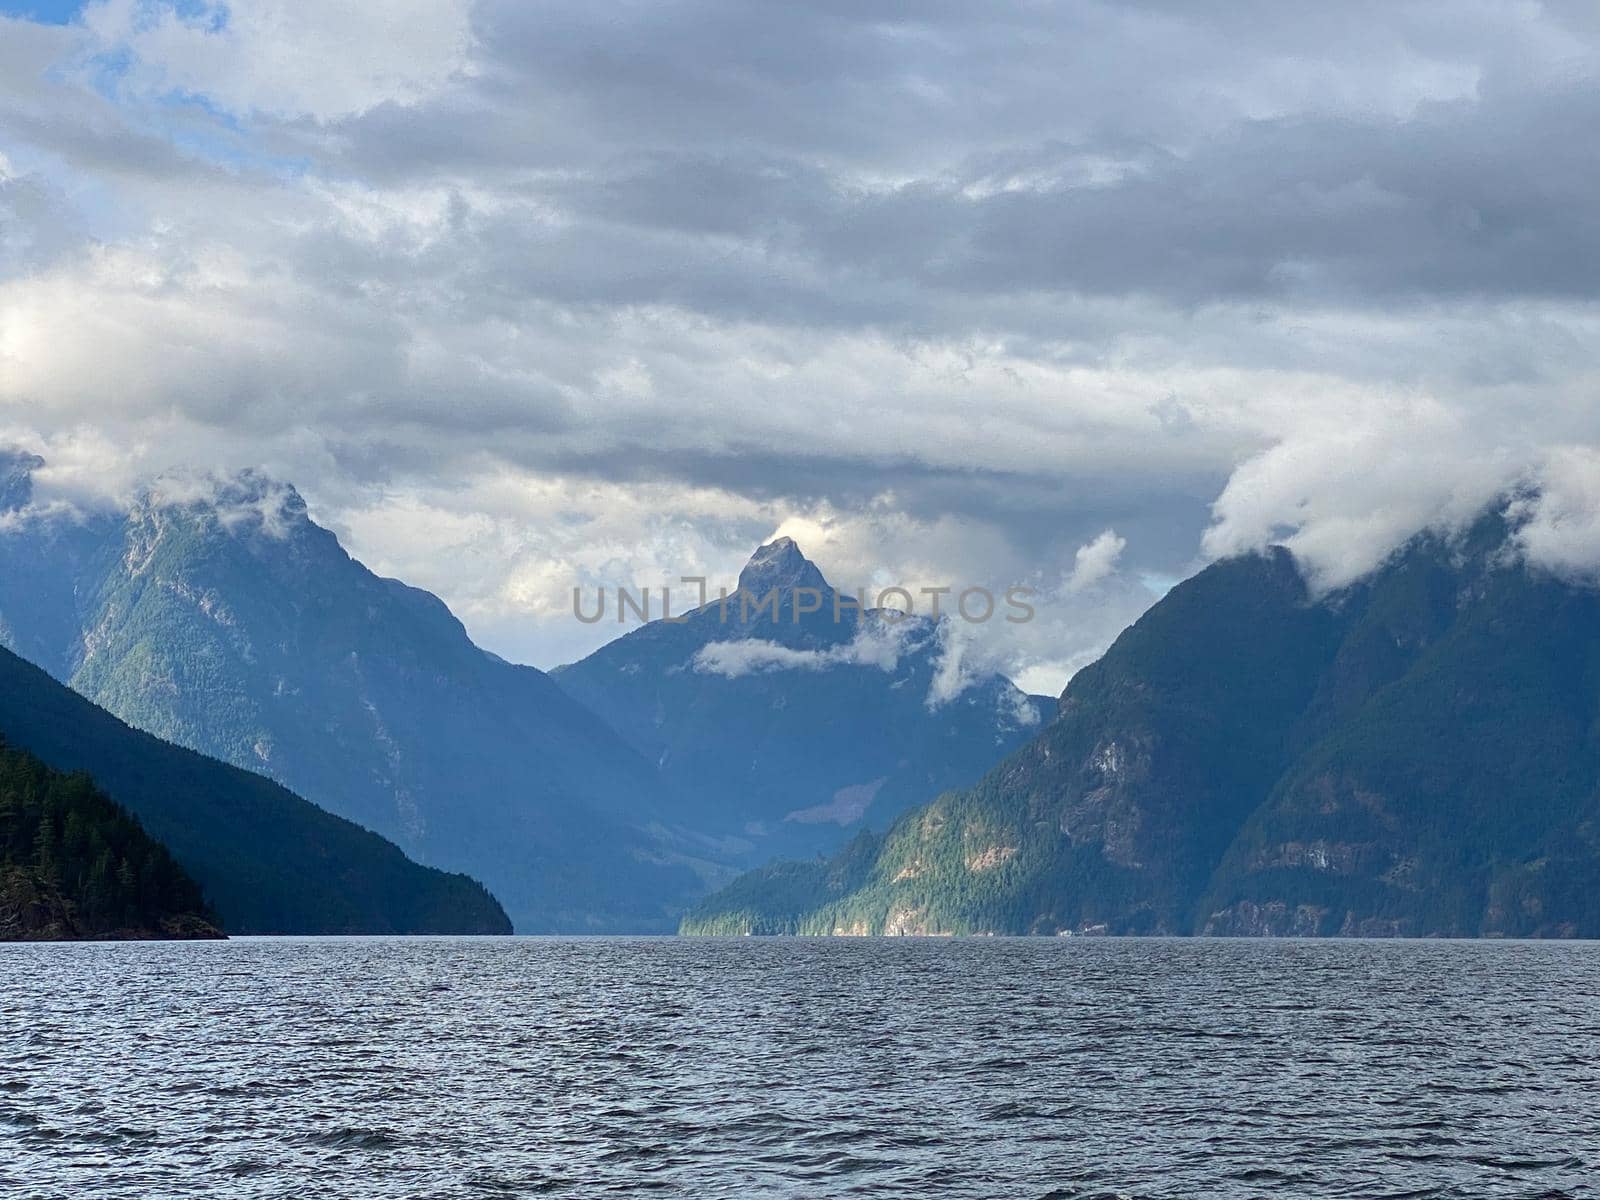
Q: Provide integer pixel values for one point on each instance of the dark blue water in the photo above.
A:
(697, 1068)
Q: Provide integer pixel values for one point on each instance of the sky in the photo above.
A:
(527, 296)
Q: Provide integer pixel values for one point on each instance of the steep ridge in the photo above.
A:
(1414, 755)
(217, 614)
(785, 718)
(266, 860)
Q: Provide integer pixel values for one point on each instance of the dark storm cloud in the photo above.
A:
(938, 168)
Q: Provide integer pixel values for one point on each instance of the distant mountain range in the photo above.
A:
(785, 716)
(1415, 754)
(216, 614)
(1418, 754)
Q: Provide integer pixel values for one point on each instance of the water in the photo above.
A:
(483, 1068)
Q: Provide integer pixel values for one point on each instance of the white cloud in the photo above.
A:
(1017, 711)
(524, 297)
(1348, 488)
(247, 503)
(751, 656)
(1094, 561)
(953, 673)
(879, 642)
(1559, 529)
(325, 60)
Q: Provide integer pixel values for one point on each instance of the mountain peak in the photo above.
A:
(16, 478)
(244, 500)
(780, 564)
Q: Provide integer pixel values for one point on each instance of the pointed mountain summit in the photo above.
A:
(1416, 754)
(16, 478)
(779, 565)
(780, 728)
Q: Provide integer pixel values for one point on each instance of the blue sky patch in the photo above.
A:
(47, 12)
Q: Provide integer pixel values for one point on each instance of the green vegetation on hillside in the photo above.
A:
(1418, 754)
(74, 864)
(217, 615)
(791, 762)
(268, 861)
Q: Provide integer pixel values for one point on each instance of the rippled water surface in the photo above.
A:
(699, 1068)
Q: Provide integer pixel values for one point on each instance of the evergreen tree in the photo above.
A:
(73, 863)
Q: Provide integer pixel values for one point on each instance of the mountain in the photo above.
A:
(785, 717)
(16, 479)
(267, 861)
(75, 865)
(218, 615)
(1418, 754)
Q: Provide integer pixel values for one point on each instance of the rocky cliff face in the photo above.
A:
(1416, 755)
(31, 911)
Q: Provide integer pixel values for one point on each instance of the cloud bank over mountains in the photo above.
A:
(531, 297)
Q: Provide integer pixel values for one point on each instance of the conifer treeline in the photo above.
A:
(74, 842)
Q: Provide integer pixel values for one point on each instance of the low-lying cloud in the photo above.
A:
(878, 642)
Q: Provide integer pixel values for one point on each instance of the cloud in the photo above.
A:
(1095, 561)
(952, 673)
(248, 502)
(1345, 491)
(735, 659)
(336, 58)
(879, 642)
(1017, 710)
(1559, 528)
(523, 296)
(882, 643)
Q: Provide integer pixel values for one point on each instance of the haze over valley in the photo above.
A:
(786, 599)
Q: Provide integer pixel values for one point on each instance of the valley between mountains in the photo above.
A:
(319, 749)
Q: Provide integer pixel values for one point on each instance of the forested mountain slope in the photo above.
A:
(266, 860)
(1418, 754)
(75, 865)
